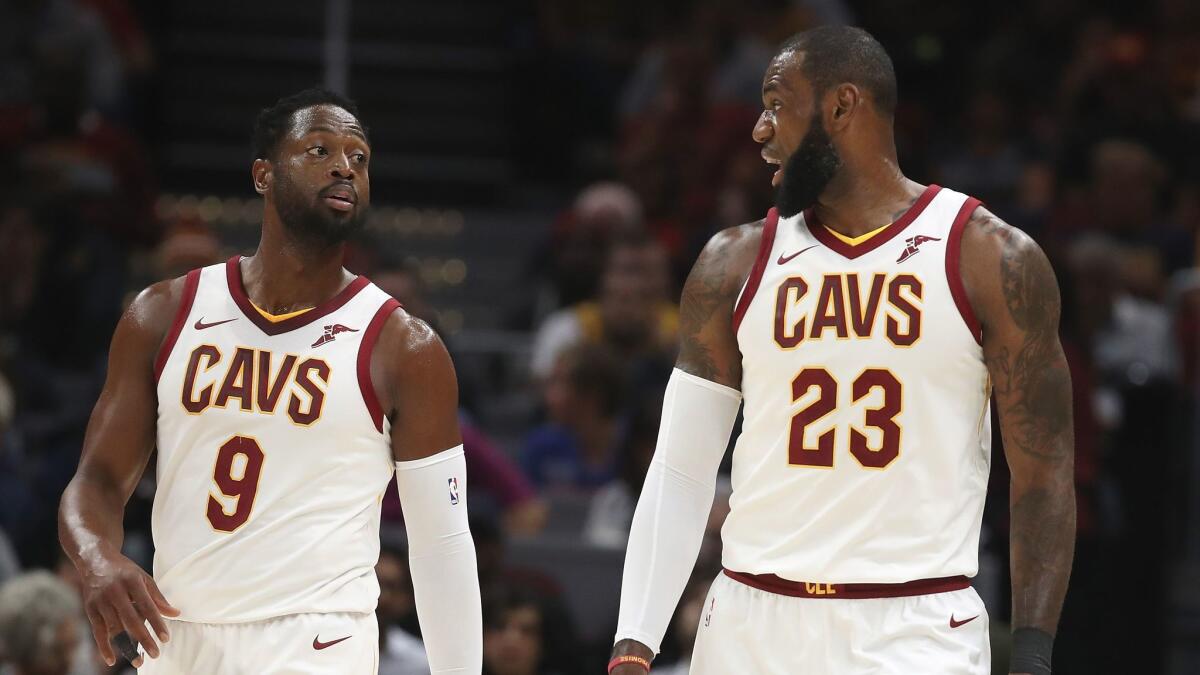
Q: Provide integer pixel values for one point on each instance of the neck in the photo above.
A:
(865, 196)
(285, 275)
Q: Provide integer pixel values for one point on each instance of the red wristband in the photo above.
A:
(628, 658)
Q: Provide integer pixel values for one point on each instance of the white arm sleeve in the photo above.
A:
(668, 524)
(441, 555)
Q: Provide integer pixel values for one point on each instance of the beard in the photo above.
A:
(308, 220)
(808, 170)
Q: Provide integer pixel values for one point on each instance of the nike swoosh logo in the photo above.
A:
(956, 624)
(318, 645)
(200, 325)
(784, 259)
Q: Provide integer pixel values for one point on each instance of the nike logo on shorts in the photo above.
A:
(956, 624)
(318, 645)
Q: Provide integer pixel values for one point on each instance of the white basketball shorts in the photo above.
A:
(297, 644)
(747, 630)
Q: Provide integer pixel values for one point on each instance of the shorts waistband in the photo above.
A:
(807, 589)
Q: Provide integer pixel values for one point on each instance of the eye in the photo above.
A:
(318, 151)
(360, 158)
(776, 104)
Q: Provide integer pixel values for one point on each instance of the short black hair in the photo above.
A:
(837, 54)
(273, 122)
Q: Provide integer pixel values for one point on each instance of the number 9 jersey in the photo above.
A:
(273, 454)
(865, 446)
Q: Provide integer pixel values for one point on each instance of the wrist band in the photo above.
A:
(628, 658)
(1031, 651)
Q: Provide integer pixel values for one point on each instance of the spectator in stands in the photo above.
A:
(579, 241)
(611, 510)
(1130, 337)
(41, 619)
(185, 247)
(515, 634)
(984, 160)
(634, 314)
(577, 448)
(401, 651)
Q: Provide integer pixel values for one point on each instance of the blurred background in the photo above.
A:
(545, 172)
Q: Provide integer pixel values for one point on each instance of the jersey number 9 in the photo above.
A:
(242, 487)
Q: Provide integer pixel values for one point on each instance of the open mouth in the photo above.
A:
(778, 175)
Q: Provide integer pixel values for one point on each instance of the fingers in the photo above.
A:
(100, 633)
(148, 609)
(136, 626)
(160, 601)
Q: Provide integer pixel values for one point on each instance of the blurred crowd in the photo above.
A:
(1077, 122)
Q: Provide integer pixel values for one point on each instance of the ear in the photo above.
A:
(261, 173)
(848, 98)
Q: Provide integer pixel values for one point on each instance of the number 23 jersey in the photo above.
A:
(273, 454)
(865, 446)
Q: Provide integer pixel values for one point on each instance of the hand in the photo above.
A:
(629, 669)
(118, 596)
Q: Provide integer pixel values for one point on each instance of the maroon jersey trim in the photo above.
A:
(801, 589)
(365, 349)
(954, 270)
(190, 284)
(853, 251)
(756, 272)
(233, 273)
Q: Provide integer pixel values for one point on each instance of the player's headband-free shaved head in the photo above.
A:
(837, 54)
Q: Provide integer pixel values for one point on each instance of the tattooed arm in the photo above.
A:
(698, 413)
(1015, 295)
(707, 345)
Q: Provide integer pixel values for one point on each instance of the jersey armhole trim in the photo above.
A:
(190, 284)
(365, 349)
(954, 270)
(756, 272)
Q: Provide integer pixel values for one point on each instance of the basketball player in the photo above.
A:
(279, 390)
(864, 324)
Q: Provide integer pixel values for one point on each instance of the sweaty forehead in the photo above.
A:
(785, 72)
(330, 118)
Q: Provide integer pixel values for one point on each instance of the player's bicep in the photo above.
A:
(1019, 304)
(707, 345)
(421, 389)
(121, 431)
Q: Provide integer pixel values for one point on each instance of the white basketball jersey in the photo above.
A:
(273, 454)
(866, 443)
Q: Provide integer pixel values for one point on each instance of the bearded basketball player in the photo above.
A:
(282, 393)
(864, 324)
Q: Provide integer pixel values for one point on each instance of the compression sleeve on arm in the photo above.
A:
(441, 555)
(668, 524)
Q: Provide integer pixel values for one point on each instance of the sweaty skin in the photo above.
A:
(1009, 284)
(411, 370)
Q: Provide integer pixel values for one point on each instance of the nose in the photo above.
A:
(341, 167)
(764, 128)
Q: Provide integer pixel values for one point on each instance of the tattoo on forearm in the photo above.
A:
(1042, 537)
